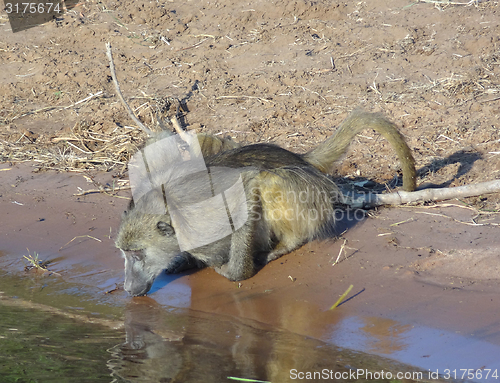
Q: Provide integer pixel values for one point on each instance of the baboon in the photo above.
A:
(287, 200)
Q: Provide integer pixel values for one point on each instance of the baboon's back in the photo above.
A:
(259, 156)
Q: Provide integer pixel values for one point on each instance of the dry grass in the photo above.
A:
(88, 146)
(34, 262)
(83, 149)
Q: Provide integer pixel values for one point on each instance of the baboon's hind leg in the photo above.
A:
(284, 247)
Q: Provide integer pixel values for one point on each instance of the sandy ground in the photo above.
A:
(287, 73)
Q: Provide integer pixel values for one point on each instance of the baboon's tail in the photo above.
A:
(334, 147)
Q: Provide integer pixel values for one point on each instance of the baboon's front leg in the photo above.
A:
(181, 262)
(241, 254)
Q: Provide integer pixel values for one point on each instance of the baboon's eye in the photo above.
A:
(137, 255)
(165, 228)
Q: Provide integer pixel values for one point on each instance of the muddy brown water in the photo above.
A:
(425, 298)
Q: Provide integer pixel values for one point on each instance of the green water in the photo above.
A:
(37, 346)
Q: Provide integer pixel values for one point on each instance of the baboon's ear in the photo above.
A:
(131, 204)
(130, 207)
(165, 228)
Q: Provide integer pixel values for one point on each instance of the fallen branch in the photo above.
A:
(120, 95)
(174, 120)
(399, 198)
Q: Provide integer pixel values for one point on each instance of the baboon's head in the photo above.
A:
(148, 244)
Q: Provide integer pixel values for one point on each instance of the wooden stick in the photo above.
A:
(177, 126)
(120, 95)
(103, 190)
(402, 197)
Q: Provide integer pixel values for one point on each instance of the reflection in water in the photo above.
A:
(185, 346)
(429, 349)
(386, 335)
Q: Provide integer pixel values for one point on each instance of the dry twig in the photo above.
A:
(49, 108)
(81, 236)
(120, 95)
(105, 190)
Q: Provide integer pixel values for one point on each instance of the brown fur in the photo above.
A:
(289, 200)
